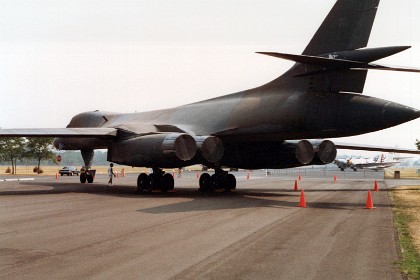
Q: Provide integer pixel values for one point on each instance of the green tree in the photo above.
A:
(39, 149)
(12, 149)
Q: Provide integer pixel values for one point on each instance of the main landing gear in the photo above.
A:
(158, 180)
(219, 180)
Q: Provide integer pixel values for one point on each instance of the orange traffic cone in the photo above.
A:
(302, 202)
(299, 178)
(335, 178)
(56, 176)
(247, 176)
(375, 188)
(369, 201)
(296, 185)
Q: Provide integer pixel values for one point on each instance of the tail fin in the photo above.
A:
(347, 27)
(333, 60)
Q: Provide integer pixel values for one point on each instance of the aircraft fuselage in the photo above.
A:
(262, 116)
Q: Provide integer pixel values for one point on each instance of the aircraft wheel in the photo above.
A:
(230, 182)
(142, 182)
(155, 181)
(82, 178)
(89, 178)
(215, 183)
(204, 181)
(213, 180)
(167, 182)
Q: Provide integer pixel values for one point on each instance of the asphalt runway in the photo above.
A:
(65, 230)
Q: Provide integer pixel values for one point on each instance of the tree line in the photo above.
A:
(13, 149)
(37, 151)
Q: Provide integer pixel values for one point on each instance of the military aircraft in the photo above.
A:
(263, 127)
(379, 162)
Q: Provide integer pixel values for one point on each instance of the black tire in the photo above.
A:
(204, 181)
(230, 182)
(61, 174)
(215, 183)
(155, 181)
(82, 178)
(89, 178)
(220, 182)
(142, 182)
(168, 182)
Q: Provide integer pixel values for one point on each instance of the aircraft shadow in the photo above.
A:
(241, 201)
(198, 201)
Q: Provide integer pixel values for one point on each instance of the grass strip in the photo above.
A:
(410, 263)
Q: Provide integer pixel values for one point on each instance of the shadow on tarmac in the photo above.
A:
(198, 201)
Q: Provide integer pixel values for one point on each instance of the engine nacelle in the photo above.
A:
(156, 150)
(325, 152)
(304, 152)
(252, 155)
(210, 147)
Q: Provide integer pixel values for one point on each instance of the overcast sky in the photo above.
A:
(59, 58)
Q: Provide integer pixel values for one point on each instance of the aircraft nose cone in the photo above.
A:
(394, 113)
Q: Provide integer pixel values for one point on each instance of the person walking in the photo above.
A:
(110, 174)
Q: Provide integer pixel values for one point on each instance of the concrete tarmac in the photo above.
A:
(66, 230)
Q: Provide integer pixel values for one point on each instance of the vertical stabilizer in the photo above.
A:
(347, 27)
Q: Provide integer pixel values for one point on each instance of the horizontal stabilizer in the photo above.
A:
(391, 68)
(318, 61)
(332, 63)
(60, 132)
(375, 148)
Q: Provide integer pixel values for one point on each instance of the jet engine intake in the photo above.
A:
(156, 150)
(210, 147)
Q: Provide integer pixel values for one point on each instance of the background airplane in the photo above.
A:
(376, 163)
(263, 127)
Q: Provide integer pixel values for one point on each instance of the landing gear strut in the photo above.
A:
(219, 180)
(158, 180)
(86, 173)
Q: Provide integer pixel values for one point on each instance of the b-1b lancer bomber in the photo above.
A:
(263, 127)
